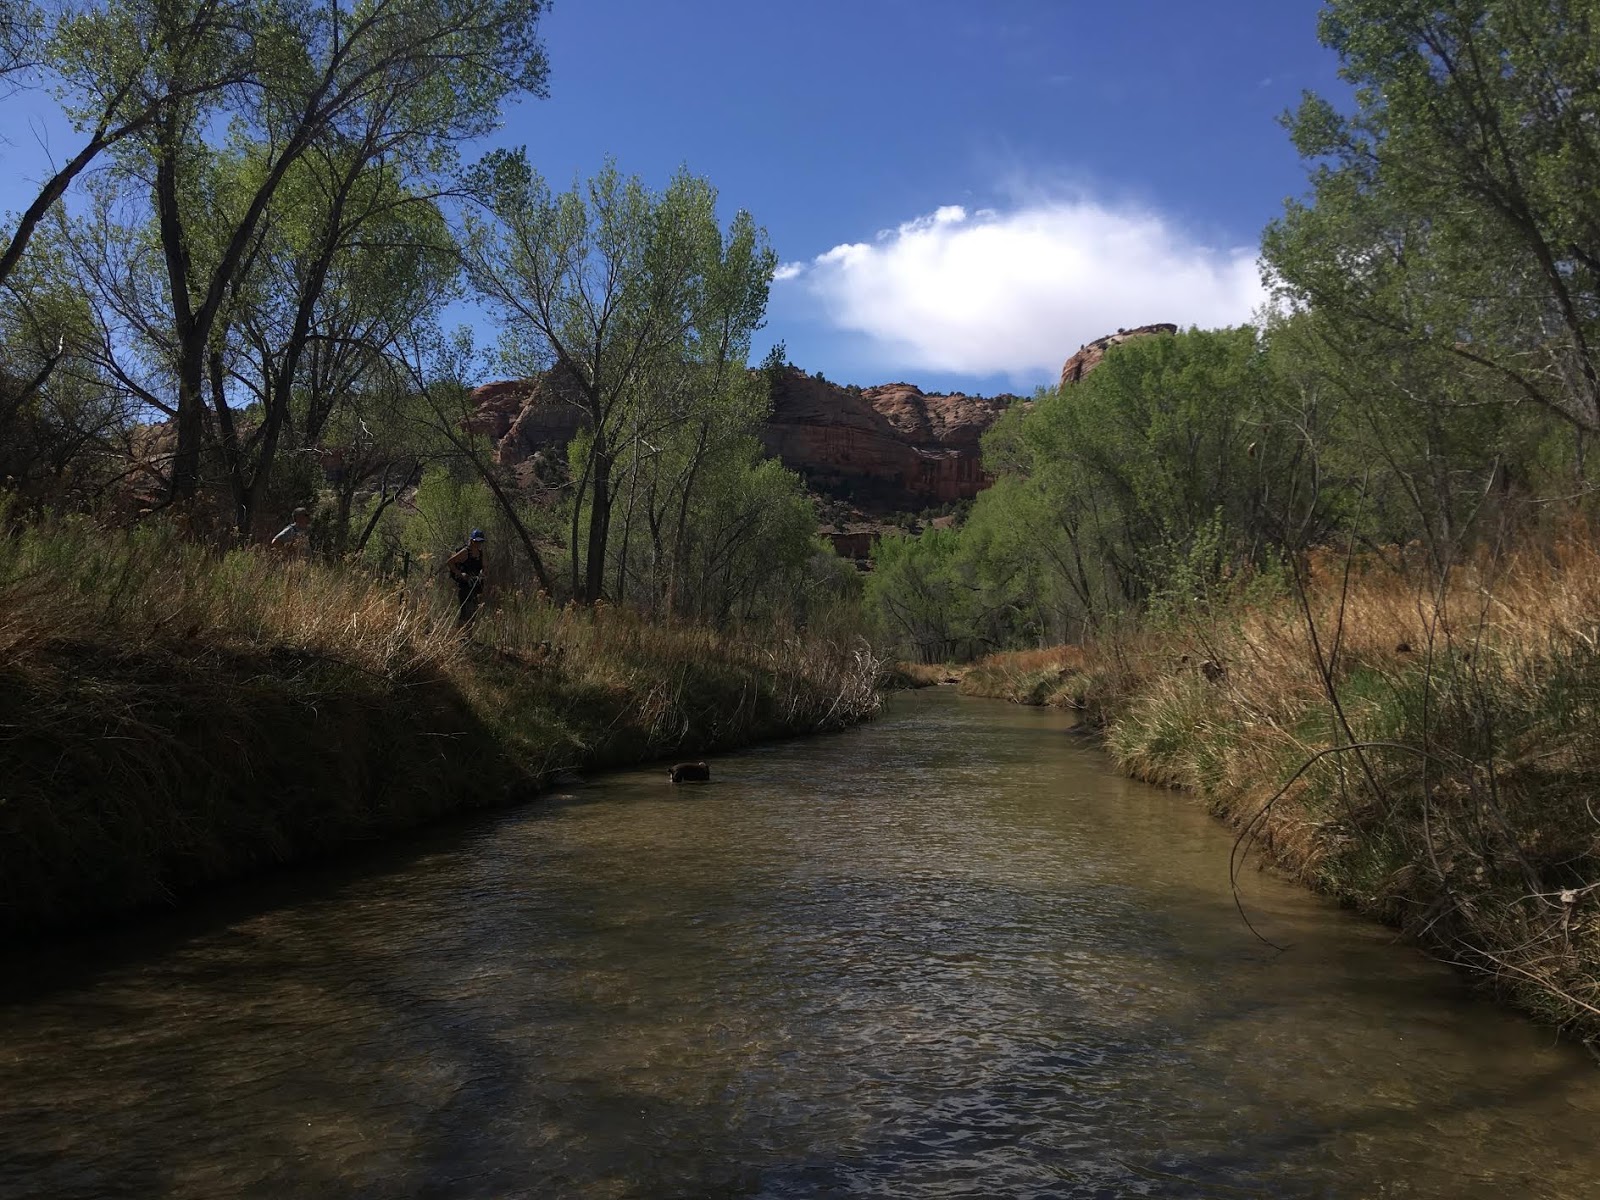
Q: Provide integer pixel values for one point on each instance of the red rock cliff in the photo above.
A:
(1088, 357)
(892, 447)
(889, 447)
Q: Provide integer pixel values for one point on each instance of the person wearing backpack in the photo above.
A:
(466, 568)
(294, 539)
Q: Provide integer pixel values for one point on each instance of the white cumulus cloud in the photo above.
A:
(1016, 292)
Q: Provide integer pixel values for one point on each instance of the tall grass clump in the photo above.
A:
(171, 715)
(1024, 676)
(1425, 750)
(902, 675)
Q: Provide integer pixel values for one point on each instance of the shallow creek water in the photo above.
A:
(950, 953)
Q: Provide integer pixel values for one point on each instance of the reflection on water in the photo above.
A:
(948, 954)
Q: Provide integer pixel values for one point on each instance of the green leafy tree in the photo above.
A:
(641, 310)
(917, 590)
(350, 262)
(402, 82)
(1188, 458)
(1165, 435)
(1454, 211)
(104, 61)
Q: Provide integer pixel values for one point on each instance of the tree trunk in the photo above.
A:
(189, 367)
(232, 454)
(599, 521)
(681, 530)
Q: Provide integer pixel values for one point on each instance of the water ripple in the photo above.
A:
(950, 954)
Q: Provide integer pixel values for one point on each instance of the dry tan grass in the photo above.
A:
(1026, 676)
(170, 715)
(1470, 832)
(72, 582)
(904, 675)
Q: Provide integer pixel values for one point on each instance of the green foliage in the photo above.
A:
(445, 508)
(774, 366)
(646, 306)
(448, 502)
(925, 596)
(1176, 466)
(1454, 215)
(282, 155)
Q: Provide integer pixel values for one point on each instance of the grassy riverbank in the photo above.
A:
(905, 676)
(1427, 755)
(171, 717)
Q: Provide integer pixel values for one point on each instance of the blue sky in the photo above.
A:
(962, 192)
(1130, 154)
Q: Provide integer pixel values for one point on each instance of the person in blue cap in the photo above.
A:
(466, 568)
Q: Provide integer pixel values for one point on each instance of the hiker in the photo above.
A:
(466, 568)
(295, 537)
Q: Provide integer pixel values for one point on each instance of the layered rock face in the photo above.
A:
(888, 447)
(526, 418)
(1089, 357)
(891, 448)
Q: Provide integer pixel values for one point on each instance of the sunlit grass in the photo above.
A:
(170, 715)
(1469, 831)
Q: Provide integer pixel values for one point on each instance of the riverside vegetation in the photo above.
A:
(239, 311)
(1425, 755)
(173, 715)
(1337, 572)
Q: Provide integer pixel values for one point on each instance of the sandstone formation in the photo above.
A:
(1089, 357)
(496, 406)
(527, 419)
(525, 416)
(885, 449)
(891, 447)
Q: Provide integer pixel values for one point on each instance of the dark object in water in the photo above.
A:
(696, 772)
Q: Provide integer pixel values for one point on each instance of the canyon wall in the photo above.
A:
(1090, 355)
(890, 448)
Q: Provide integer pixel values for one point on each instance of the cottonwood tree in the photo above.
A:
(18, 29)
(100, 59)
(692, 436)
(119, 68)
(434, 368)
(1455, 209)
(1182, 462)
(642, 310)
(396, 82)
(751, 537)
(1167, 436)
(61, 418)
(921, 593)
(349, 263)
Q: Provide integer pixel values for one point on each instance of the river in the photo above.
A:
(950, 953)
